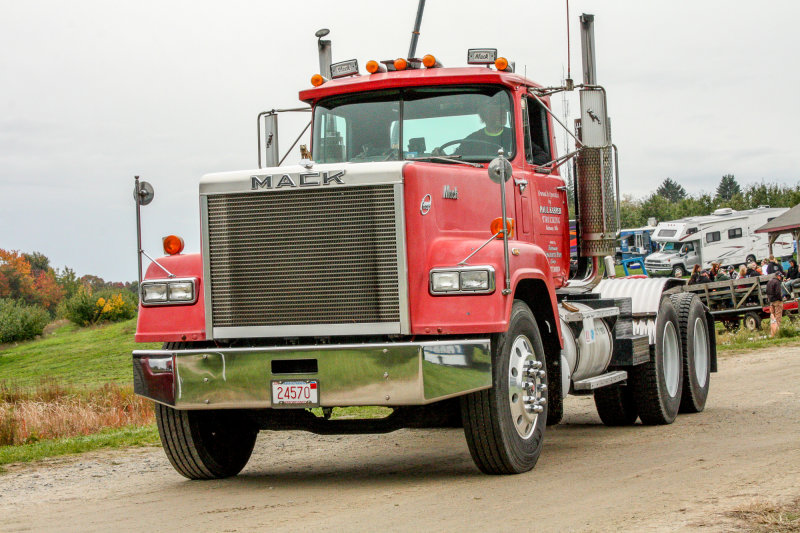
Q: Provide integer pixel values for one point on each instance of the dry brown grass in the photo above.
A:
(765, 517)
(53, 411)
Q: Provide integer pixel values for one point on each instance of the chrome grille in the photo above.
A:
(309, 256)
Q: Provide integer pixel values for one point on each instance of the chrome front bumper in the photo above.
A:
(391, 374)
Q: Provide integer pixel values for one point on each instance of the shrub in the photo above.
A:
(84, 308)
(19, 322)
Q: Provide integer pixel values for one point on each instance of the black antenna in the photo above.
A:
(415, 34)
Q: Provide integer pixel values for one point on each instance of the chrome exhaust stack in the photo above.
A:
(597, 201)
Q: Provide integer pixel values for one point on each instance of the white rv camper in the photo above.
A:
(726, 236)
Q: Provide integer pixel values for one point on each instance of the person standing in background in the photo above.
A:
(775, 298)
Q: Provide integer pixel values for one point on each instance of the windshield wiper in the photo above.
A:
(450, 159)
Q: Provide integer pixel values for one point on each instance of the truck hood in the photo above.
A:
(264, 180)
(662, 257)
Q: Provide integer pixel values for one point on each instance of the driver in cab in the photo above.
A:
(494, 135)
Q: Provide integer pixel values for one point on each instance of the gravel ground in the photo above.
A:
(688, 476)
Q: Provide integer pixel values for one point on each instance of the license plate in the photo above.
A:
(295, 393)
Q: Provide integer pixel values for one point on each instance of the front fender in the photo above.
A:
(173, 323)
(479, 313)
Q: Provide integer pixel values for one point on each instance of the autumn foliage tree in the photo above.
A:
(29, 279)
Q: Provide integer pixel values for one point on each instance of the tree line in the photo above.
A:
(670, 200)
(32, 293)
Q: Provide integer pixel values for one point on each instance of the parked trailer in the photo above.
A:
(739, 299)
(415, 266)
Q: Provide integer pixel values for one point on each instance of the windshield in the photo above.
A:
(671, 247)
(466, 123)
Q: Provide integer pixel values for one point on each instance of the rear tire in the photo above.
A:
(696, 345)
(504, 432)
(658, 384)
(616, 405)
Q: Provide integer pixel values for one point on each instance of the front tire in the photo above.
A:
(505, 425)
(678, 271)
(205, 444)
(696, 345)
(658, 384)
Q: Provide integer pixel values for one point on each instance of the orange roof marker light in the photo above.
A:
(375, 67)
(400, 64)
(496, 227)
(502, 64)
(173, 245)
(429, 61)
(317, 80)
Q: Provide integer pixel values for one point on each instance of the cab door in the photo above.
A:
(546, 191)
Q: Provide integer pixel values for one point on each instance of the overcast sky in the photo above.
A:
(96, 92)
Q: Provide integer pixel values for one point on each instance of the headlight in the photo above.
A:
(169, 292)
(154, 292)
(475, 280)
(181, 291)
(462, 280)
(444, 281)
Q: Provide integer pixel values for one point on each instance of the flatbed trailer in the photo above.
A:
(733, 300)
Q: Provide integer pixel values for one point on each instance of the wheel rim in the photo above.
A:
(750, 322)
(700, 352)
(671, 357)
(526, 386)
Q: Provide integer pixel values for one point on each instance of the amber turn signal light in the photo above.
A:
(174, 245)
(429, 61)
(497, 227)
(317, 80)
(501, 63)
(373, 66)
(400, 64)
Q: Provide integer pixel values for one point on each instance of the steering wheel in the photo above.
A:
(492, 145)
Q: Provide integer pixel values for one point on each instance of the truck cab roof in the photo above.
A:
(415, 78)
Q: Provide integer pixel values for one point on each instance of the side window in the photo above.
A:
(537, 136)
(712, 236)
(691, 230)
(333, 140)
(689, 247)
(734, 233)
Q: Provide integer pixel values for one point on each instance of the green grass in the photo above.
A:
(110, 438)
(84, 357)
(789, 334)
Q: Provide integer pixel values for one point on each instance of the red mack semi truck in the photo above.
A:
(417, 258)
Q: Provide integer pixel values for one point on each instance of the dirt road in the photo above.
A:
(683, 477)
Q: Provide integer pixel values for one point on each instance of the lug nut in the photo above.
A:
(541, 387)
(529, 399)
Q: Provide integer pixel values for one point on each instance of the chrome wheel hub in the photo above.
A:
(701, 355)
(527, 388)
(672, 359)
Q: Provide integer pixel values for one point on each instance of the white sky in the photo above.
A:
(92, 93)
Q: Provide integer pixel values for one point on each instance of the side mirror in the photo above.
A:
(499, 170)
